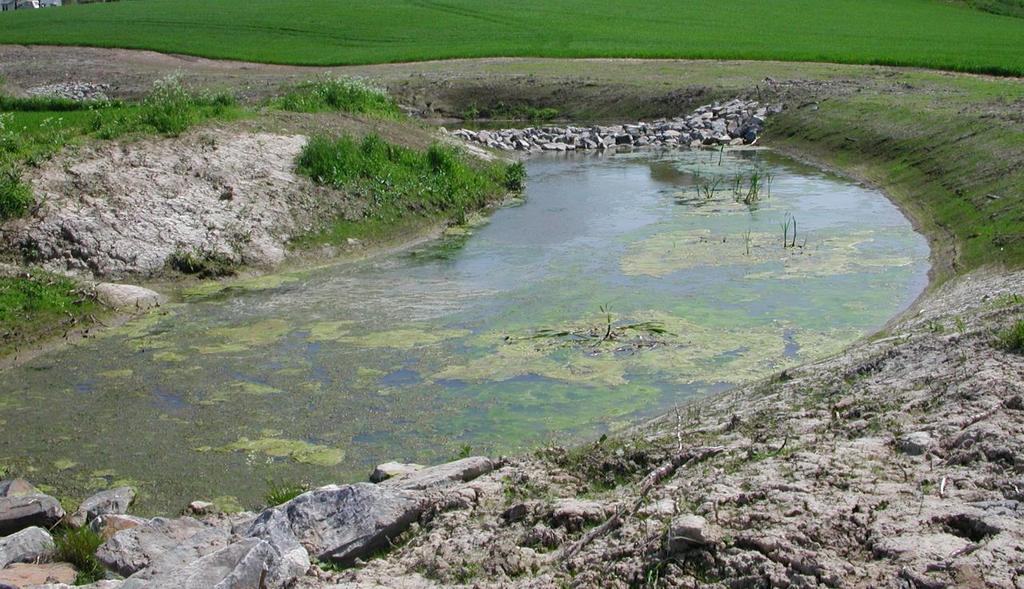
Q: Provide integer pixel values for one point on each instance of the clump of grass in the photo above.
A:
(787, 225)
(170, 108)
(78, 547)
(515, 177)
(280, 493)
(15, 194)
(202, 264)
(1011, 339)
(397, 182)
(340, 94)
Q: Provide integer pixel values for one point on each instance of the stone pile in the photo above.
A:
(339, 524)
(79, 91)
(737, 122)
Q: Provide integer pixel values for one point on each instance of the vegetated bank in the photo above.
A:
(895, 463)
(115, 190)
(923, 33)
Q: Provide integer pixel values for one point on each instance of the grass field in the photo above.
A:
(926, 33)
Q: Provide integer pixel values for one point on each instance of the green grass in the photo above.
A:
(400, 185)
(39, 304)
(339, 94)
(1011, 339)
(78, 547)
(925, 33)
(281, 493)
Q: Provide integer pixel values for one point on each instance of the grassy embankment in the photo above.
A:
(925, 33)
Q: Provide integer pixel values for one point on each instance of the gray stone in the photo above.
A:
(108, 525)
(914, 443)
(16, 487)
(104, 584)
(127, 296)
(160, 545)
(573, 514)
(18, 512)
(28, 545)
(343, 523)
(689, 531)
(241, 565)
(459, 471)
(112, 501)
(388, 470)
(288, 559)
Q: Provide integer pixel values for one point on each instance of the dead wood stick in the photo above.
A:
(650, 481)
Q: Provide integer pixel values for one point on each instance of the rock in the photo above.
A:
(16, 487)
(200, 508)
(929, 547)
(31, 575)
(127, 296)
(343, 523)
(515, 513)
(459, 471)
(392, 469)
(914, 443)
(112, 501)
(160, 545)
(28, 545)
(108, 525)
(573, 514)
(288, 559)
(18, 512)
(241, 565)
(104, 584)
(689, 531)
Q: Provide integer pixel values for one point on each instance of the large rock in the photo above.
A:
(341, 523)
(28, 545)
(389, 470)
(241, 565)
(112, 501)
(288, 559)
(915, 443)
(32, 575)
(690, 531)
(108, 525)
(20, 511)
(16, 487)
(159, 546)
(459, 471)
(104, 584)
(127, 296)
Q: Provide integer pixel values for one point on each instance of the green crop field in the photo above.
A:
(926, 33)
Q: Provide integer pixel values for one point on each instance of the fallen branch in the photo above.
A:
(652, 479)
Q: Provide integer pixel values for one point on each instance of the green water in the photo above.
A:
(318, 375)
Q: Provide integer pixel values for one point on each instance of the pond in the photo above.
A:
(620, 286)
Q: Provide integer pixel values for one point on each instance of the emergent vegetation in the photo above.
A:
(1011, 339)
(399, 183)
(39, 305)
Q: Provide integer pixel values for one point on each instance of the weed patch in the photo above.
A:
(78, 547)
(339, 94)
(1012, 338)
(399, 183)
(280, 493)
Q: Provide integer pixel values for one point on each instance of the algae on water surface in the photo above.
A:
(495, 339)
